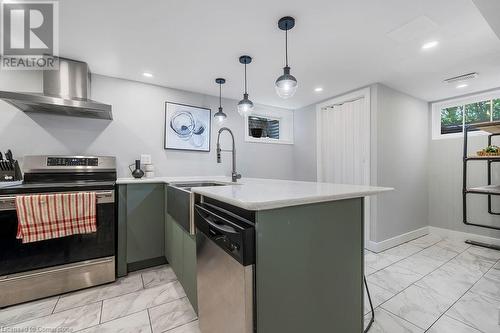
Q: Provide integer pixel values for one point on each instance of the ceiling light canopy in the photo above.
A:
(220, 116)
(430, 45)
(286, 84)
(245, 106)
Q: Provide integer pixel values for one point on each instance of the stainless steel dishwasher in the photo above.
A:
(225, 269)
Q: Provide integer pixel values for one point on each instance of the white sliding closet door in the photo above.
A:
(344, 145)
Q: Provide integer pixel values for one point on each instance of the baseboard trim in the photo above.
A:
(464, 235)
(395, 241)
(138, 265)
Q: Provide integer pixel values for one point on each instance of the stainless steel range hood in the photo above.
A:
(65, 92)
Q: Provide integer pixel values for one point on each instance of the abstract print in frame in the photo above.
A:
(187, 127)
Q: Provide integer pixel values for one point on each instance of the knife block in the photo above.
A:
(10, 171)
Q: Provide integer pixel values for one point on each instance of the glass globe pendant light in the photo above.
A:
(245, 106)
(220, 116)
(286, 85)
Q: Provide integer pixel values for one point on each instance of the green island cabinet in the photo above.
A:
(310, 268)
(148, 236)
(309, 258)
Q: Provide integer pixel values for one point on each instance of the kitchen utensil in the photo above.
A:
(9, 168)
(9, 156)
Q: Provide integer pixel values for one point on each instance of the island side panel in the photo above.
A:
(309, 268)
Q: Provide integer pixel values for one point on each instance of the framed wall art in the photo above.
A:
(187, 127)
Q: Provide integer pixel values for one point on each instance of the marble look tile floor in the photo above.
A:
(454, 287)
(429, 284)
(148, 301)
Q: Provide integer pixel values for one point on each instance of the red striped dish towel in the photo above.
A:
(47, 216)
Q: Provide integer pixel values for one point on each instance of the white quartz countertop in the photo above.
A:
(262, 194)
(168, 180)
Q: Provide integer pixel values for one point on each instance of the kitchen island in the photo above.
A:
(309, 249)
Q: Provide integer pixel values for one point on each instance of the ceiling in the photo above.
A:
(339, 45)
(490, 10)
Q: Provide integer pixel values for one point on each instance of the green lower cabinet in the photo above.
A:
(180, 251)
(169, 239)
(146, 233)
(189, 271)
(141, 227)
(177, 252)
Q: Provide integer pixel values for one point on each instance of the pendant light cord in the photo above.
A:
(220, 95)
(286, 46)
(245, 78)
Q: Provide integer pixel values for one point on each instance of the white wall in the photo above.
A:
(138, 125)
(426, 173)
(399, 159)
(304, 149)
(445, 186)
(402, 163)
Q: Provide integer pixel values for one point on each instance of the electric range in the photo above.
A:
(45, 268)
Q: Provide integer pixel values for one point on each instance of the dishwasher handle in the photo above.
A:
(210, 218)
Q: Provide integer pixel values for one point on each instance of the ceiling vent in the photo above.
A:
(462, 78)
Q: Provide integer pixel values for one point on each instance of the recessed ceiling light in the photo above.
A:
(146, 74)
(463, 85)
(430, 45)
(319, 89)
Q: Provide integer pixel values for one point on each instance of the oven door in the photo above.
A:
(16, 257)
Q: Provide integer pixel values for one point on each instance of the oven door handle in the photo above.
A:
(9, 202)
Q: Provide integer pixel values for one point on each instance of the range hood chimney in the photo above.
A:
(66, 91)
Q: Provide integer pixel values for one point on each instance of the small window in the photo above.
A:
(449, 117)
(270, 126)
(452, 120)
(496, 109)
(260, 127)
(479, 112)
